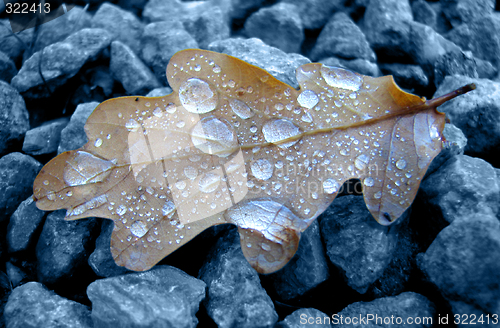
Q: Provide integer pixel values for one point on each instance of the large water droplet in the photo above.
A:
(209, 182)
(330, 186)
(262, 169)
(280, 129)
(308, 99)
(213, 136)
(341, 78)
(132, 125)
(197, 96)
(240, 108)
(84, 168)
(361, 162)
(401, 164)
(369, 181)
(190, 172)
(168, 207)
(138, 229)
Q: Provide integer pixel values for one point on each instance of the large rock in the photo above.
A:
(306, 270)
(128, 68)
(160, 42)
(279, 64)
(165, 10)
(61, 27)
(408, 309)
(122, 25)
(481, 36)
(211, 25)
(278, 26)
(386, 25)
(17, 173)
(59, 61)
(477, 114)
(315, 13)
(464, 263)
(341, 37)
(235, 296)
(355, 242)
(23, 226)
(461, 186)
(32, 305)
(63, 247)
(464, 11)
(406, 76)
(423, 13)
(44, 139)
(14, 118)
(73, 135)
(162, 297)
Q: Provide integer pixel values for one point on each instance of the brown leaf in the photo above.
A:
(232, 144)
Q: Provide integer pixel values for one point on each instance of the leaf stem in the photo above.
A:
(433, 103)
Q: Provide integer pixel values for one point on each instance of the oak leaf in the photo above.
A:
(232, 144)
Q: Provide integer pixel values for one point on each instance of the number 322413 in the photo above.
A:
(26, 8)
(472, 319)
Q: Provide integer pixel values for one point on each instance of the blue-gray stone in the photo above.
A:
(31, 305)
(44, 139)
(161, 297)
(73, 135)
(14, 118)
(23, 226)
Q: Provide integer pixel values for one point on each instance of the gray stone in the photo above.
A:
(308, 316)
(425, 46)
(59, 62)
(14, 44)
(235, 297)
(61, 27)
(464, 11)
(306, 270)
(32, 305)
(159, 92)
(161, 297)
(7, 68)
(241, 8)
(386, 26)
(279, 64)
(476, 113)
(455, 63)
(410, 77)
(341, 37)
(101, 260)
(63, 247)
(211, 25)
(17, 173)
(127, 68)
(16, 275)
(122, 25)
(14, 118)
(73, 135)
(462, 185)
(485, 69)
(359, 246)
(160, 42)
(279, 26)
(423, 13)
(45, 138)
(23, 226)
(464, 262)
(315, 13)
(408, 305)
(481, 36)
